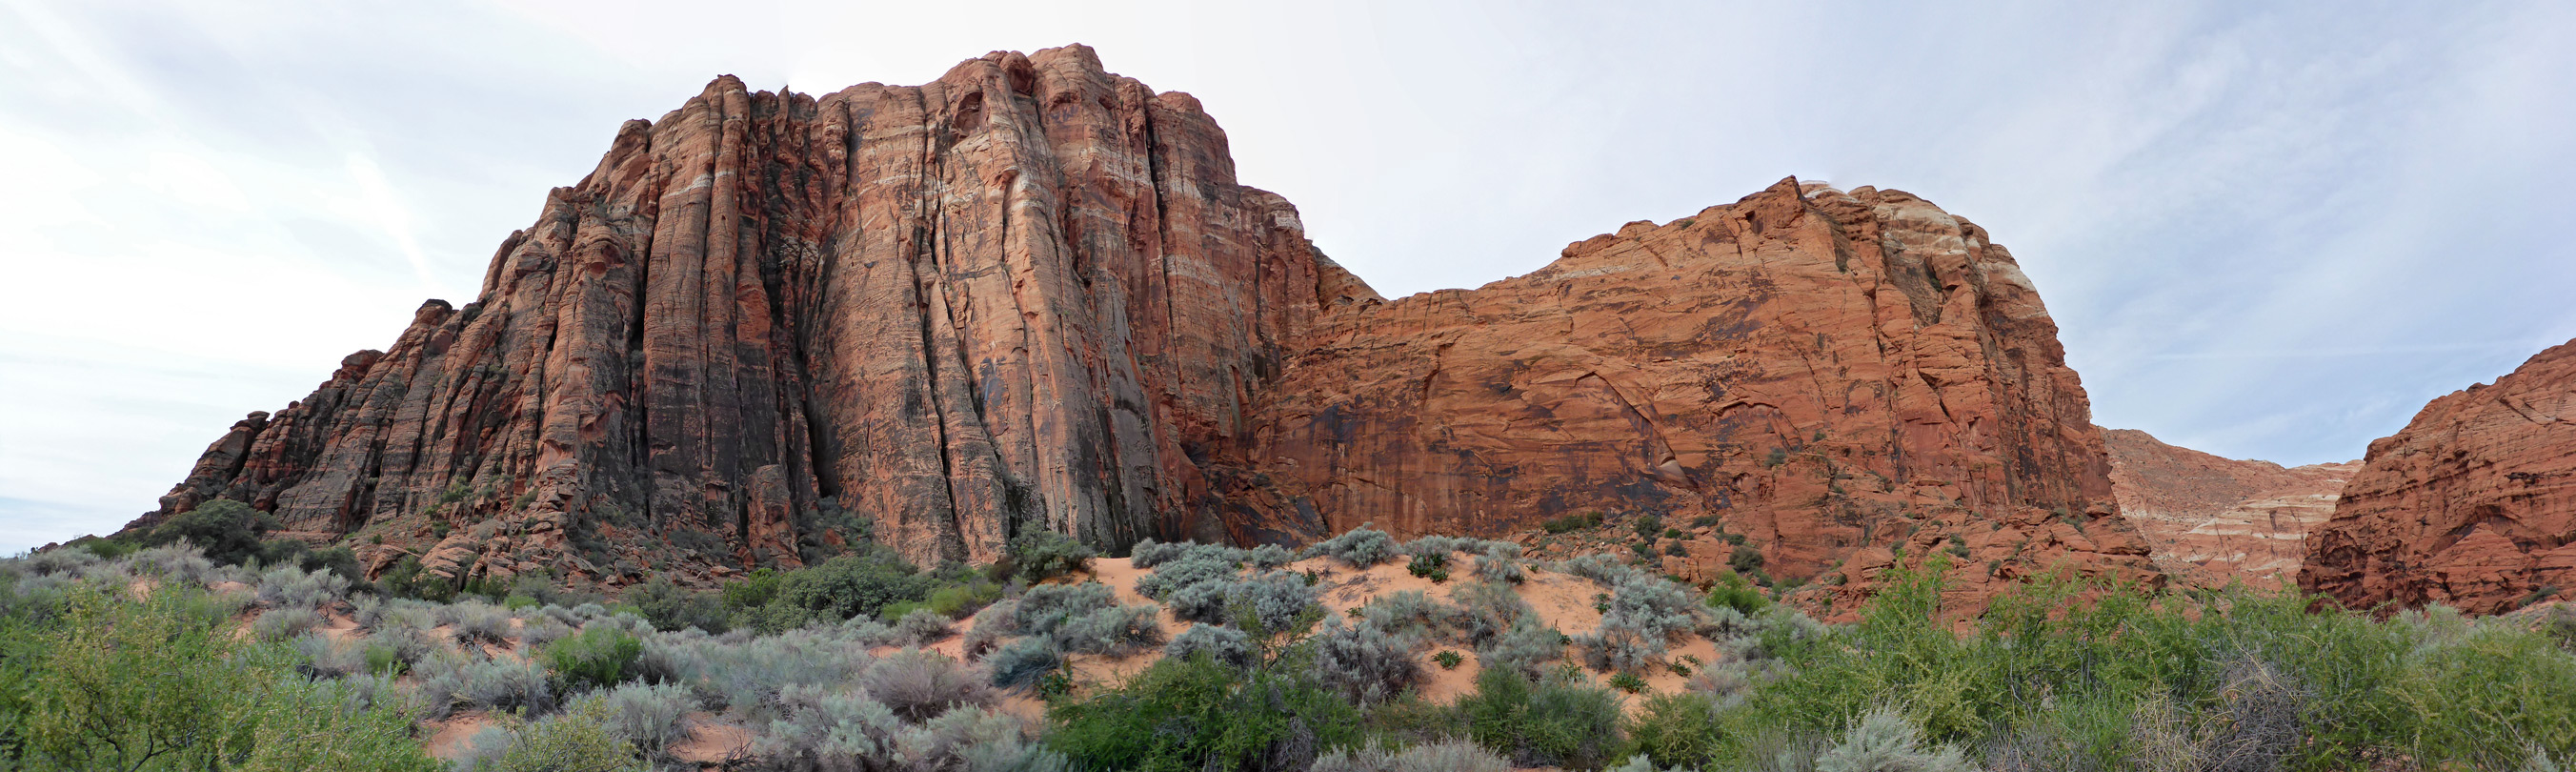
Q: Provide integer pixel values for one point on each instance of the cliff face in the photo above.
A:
(2473, 504)
(1027, 295)
(1031, 295)
(2213, 520)
(1835, 376)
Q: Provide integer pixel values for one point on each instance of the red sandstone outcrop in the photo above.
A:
(1031, 294)
(2473, 504)
(1836, 376)
(2214, 520)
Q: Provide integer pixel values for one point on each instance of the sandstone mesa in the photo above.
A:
(1031, 294)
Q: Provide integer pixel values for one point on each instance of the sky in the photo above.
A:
(2265, 230)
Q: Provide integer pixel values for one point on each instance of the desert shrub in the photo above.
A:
(1227, 645)
(1440, 545)
(1192, 712)
(1275, 599)
(1559, 721)
(1192, 568)
(352, 724)
(1203, 602)
(176, 563)
(292, 586)
(1487, 610)
(1627, 682)
(919, 685)
(1526, 648)
(672, 607)
(957, 601)
(1047, 606)
(537, 632)
(922, 626)
(1745, 560)
(1116, 631)
(988, 627)
(1680, 730)
(477, 621)
(1572, 522)
(1500, 562)
(1599, 568)
(580, 740)
(1269, 556)
(325, 657)
(1647, 526)
(1363, 663)
(1408, 613)
(449, 682)
(1434, 566)
(1150, 553)
(1732, 592)
(226, 531)
(746, 675)
(1443, 756)
(1884, 741)
(279, 624)
(653, 717)
(1040, 554)
(832, 729)
(596, 658)
(1020, 664)
(1360, 547)
(853, 585)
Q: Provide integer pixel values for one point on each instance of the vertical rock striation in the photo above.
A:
(2473, 504)
(2215, 520)
(1030, 295)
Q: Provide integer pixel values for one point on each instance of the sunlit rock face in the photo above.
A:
(1031, 295)
(2212, 520)
(2473, 504)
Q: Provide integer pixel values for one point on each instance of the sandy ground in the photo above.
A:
(1563, 601)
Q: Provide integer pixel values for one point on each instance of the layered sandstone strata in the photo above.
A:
(2473, 504)
(1031, 295)
(2214, 520)
(1839, 377)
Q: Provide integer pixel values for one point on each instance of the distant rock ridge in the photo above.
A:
(2214, 520)
(1031, 295)
(2472, 505)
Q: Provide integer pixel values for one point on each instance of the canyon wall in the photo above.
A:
(2214, 520)
(1029, 294)
(1032, 295)
(1838, 377)
(2473, 504)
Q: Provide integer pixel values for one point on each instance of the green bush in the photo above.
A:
(163, 682)
(670, 607)
(958, 601)
(1570, 522)
(1647, 526)
(1040, 554)
(853, 585)
(1731, 591)
(1194, 713)
(1680, 730)
(598, 657)
(1558, 722)
(227, 531)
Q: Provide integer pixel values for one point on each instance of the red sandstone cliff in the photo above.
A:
(1031, 295)
(2212, 520)
(1833, 375)
(2473, 504)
